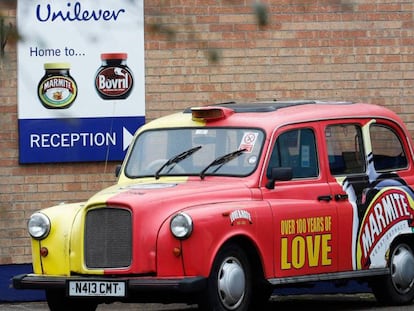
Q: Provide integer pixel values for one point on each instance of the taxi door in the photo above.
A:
(304, 212)
(347, 178)
(368, 171)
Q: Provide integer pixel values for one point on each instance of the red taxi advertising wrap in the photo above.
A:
(223, 205)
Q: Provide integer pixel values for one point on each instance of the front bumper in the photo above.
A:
(182, 285)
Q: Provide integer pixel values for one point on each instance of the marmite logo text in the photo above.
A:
(390, 208)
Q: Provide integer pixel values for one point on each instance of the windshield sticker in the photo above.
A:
(248, 141)
(201, 132)
(252, 160)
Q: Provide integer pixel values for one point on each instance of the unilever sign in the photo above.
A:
(81, 87)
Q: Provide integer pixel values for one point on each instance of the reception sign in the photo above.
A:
(81, 87)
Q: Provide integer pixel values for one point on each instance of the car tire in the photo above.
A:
(57, 301)
(397, 287)
(230, 284)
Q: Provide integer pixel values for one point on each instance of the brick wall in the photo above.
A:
(359, 50)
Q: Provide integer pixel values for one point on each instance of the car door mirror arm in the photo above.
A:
(279, 173)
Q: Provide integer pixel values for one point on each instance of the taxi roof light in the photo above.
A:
(210, 113)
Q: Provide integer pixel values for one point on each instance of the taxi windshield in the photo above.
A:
(195, 151)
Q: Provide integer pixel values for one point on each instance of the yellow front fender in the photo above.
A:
(52, 255)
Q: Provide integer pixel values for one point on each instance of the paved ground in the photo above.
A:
(42, 306)
(277, 303)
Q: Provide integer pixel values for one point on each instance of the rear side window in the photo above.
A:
(387, 150)
(345, 152)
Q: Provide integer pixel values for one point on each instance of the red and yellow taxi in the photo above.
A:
(219, 205)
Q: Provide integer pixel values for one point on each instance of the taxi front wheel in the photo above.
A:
(397, 288)
(230, 282)
(57, 301)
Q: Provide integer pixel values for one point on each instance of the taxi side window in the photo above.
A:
(296, 149)
(345, 152)
(387, 150)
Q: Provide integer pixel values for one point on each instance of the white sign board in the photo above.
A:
(81, 87)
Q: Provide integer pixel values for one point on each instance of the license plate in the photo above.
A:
(97, 288)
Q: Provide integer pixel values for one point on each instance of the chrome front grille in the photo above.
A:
(108, 238)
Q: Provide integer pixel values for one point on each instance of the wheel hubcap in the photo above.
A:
(402, 269)
(231, 283)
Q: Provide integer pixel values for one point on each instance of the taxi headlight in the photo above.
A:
(38, 226)
(181, 226)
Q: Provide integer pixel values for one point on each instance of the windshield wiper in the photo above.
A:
(220, 161)
(176, 159)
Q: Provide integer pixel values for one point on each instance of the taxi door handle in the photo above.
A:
(326, 198)
(341, 197)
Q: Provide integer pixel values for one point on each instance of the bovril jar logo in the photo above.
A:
(114, 80)
(57, 89)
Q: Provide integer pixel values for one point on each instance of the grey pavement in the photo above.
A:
(343, 302)
(42, 306)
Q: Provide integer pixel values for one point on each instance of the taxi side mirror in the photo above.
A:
(279, 173)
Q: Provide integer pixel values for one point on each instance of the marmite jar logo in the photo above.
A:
(114, 79)
(57, 89)
(389, 213)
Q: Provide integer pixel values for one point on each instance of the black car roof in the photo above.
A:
(266, 106)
